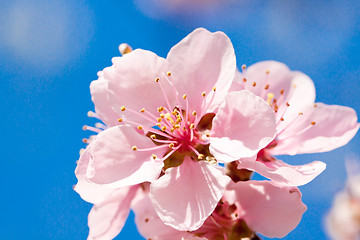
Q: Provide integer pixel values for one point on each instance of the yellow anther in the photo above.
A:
(134, 148)
(201, 156)
(172, 129)
(154, 156)
(282, 91)
(125, 48)
(123, 108)
(162, 115)
(270, 97)
(120, 120)
(313, 123)
(142, 110)
(207, 135)
(158, 124)
(140, 127)
(177, 126)
(267, 87)
(192, 126)
(184, 96)
(160, 109)
(157, 79)
(178, 120)
(300, 113)
(254, 84)
(203, 94)
(287, 104)
(194, 113)
(168, 73)
(159, 119)
(244, 80)
(281, 119)
(163, 128)
(90, 114)
(152, 136)
(214, 89)
(243, 67)
(267, 71)
(84, 127)
(171, 145)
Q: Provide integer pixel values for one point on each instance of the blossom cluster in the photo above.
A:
(181, 136)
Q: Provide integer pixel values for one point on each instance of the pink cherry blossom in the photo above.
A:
(177, 120)
(303, 126)
(246, 207)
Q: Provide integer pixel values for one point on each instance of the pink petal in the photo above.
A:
(201, 61)
(90, 192)
(270, 210)
(301, 95)
(116, 164)
(99, 95)
(186, 195)
(283, 173)
(131, 83)
(243, 125)
(278, 77)
(108, 218)
(148, 222)
(334, 127)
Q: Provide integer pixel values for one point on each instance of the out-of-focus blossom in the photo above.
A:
(177, 120)
(343, 220)
(303, 126)
(246, 207)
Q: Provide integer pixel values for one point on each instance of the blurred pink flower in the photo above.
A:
(271, 210)
(303, 126)
(176, 120)
(343, 219)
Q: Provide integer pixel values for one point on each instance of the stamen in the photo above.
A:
(192, 126)
(203, 94)
(243, 67)
(134, 148)
(201, 156)
(194, 113)
(267, 87)
(91, 114)
(125, 48)
(254, 84)
(168, 73)
(157, 79)
(140, 127)
(160, 109)
(85, 127)
(142, 110)
(184, 96)
(100, 126)
(171, 145)
(214, 89)
(270, 97)
(123, 108)
(120, 120)
(153, 136)
(282, 91)
(298, 133)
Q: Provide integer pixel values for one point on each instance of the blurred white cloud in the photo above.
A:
(44, 35)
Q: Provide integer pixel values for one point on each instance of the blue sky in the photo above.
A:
(51, 50)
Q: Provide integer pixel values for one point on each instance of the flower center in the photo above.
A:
(177, 128)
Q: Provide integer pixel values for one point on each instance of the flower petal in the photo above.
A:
(149, 224)
(114, 162)
(243, 125)
(108, 218)
(99, 96)
(275, 74)
(201, 61)
(270, 210)
(283, 173)
(90, 192)
(186, 195)
(131, 83)
(334, 127)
